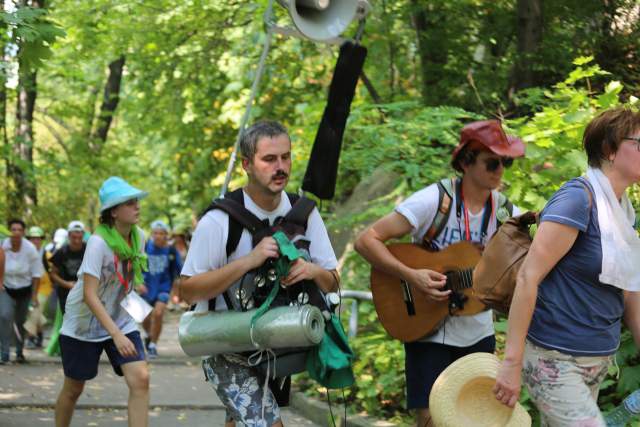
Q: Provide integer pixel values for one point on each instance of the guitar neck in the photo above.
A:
(459, 280)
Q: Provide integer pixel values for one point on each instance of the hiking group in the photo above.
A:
(577, 285)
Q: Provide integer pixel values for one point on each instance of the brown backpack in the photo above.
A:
(494, 277)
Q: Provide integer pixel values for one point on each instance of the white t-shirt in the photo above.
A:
(208, 246)
(21, 267)
(79, 321)
(420, 210)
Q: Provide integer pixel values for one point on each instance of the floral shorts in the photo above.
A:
(242, 392)
(564, 388)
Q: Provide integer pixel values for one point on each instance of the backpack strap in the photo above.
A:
(301, 208)
(445, 199)
(587, 188)
(503, 203)
(239, 218)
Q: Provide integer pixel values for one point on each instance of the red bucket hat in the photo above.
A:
(488, 134)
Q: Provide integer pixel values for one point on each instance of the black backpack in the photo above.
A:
(256, 285)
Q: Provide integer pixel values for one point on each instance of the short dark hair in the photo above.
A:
(605, 132)
(467, 156)
(106, 218)
(251, 136)
(16, 221)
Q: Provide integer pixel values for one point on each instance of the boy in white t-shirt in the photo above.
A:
(207, 273)
(483, 153)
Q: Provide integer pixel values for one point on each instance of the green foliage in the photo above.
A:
(33, 32)
(189, 67)
(554, 133)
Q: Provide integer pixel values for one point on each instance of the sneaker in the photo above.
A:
(31, 344)
(20, 358)
(152, 351)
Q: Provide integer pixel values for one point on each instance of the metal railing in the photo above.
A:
(357, 297)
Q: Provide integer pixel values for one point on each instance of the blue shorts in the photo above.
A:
(80, 358)
(424, 361)
(153, 297)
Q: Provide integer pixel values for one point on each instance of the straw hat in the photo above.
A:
(462, 396)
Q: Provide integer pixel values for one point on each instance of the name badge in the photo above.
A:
(136, 306)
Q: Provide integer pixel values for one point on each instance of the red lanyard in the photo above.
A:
(123, 282)
(467, 231)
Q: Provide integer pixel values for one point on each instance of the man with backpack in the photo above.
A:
(228, 244)
(465, 208)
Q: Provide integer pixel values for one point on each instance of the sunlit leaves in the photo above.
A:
(33, 32)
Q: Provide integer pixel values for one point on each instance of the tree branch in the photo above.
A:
(110, 102)
(56, 135)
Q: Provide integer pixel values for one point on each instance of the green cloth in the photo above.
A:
(53, 348)
(132, 253)
(289, 253)
(287, 249)
(330, 362)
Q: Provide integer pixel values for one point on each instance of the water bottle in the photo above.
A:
(626, 412)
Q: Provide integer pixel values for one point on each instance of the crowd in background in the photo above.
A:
(36, 275)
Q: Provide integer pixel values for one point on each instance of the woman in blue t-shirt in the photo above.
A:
(571, 292)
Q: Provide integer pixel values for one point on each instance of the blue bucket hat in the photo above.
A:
(115, 191)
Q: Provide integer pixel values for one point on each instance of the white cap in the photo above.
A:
(159, 225)
(60, 237)
(75, 226)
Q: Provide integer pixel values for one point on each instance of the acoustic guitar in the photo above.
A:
(405, 311)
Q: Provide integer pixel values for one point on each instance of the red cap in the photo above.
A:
(490, 135)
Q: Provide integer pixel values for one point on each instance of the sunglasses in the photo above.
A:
(493, 164)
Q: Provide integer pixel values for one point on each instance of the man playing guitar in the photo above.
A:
(481, 156)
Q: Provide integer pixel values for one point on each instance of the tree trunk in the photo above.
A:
(3, 86)
(529, 39)
(388, 19)
(430, 24)
(617, 48)
(4, 135)
(23, 194)
(21, 170)
(110, 101)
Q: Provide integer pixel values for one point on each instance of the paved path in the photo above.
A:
(179, 394)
